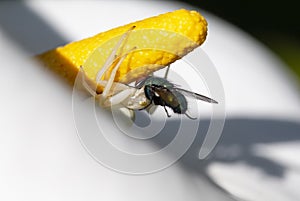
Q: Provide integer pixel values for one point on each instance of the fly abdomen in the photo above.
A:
(181, 106)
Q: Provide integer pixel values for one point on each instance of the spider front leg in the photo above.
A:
(108, 88)
(115, 55)
(112, 57)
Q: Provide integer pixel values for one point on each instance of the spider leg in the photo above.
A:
(111, 58)
(121, 96)
(113, 54)
(85, 84)
(110, 81)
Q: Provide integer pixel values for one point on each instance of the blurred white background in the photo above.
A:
(41, 156)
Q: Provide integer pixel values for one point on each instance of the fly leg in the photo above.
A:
(166, 111)
(167, 72)
(190, 117)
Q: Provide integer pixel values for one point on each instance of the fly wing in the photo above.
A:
(195, 95)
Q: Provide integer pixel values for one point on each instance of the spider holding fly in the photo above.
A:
(147, 92)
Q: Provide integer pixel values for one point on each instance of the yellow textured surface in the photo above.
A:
(159, 40)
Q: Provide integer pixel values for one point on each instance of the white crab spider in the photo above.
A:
(115, 93)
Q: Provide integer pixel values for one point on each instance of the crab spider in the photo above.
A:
(115, 93)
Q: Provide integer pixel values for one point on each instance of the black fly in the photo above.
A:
(160, 91)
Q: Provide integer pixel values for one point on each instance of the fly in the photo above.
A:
(160, 91)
